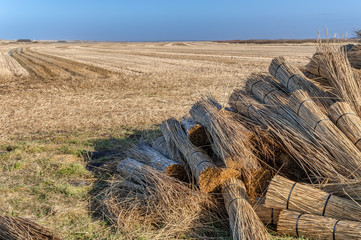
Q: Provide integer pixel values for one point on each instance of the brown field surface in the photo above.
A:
(62, 101)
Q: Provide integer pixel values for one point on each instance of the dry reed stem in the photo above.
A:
(317, 227)
(286, 194)
(230, 140)
(343, 150)
(16, 228)
(293, 79)
(243, 221)
(346, 119)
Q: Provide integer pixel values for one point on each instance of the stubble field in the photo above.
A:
(63, 101)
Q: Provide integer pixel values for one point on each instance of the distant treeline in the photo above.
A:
(295, 41)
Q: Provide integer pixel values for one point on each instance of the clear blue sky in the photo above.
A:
(156, 20)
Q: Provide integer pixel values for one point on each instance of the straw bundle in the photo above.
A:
(269, 216)
(149, 204)
(345, 119)
(286, 194)
(332, 64)
(16, 228)
(160, 145)
(147, 155)
(293, 79)
(344, 151)
(354, 55)
(351, 189)
(230, 140)
(172, 148)
(206, 174)
(317, 227)
(196, 132)
(313, 158)
(243, 221)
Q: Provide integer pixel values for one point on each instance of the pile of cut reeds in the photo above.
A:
(285, 153)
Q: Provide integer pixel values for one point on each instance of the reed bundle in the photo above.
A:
(313, 158)
(343, 150)
(205, 172)
(351, 189)
(346, 119)
(354, 55)
(172, 148)
(243, 221)
(269, 216)
(149, 204)
(293, 79)
(160, 145)
(196, 132)
(317, 227)
(17, 228)
(230, 140)
(286, 194)
(148, 155)
(332, 63)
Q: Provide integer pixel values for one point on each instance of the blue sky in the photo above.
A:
(157, 20)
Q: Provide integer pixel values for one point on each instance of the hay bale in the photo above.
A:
(230, 140)
(317, 227)
(344, 151)
(346, 119)
(243, 221)
(148, 155)
(204, 171)
(286, 194)
(160, 145)
(269, 216)
(196, 133)
(293, 79)
(17, 228)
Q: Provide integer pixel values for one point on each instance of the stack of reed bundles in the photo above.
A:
(148, 155)
(269, 216)
(313, 158)
(332, 64)
(344, 151)
(17, 228)
(160, 145)
(317, 227)
(196, 133)
(286, 194)
(293, 79)
(231, 141)
(346, 119)
(243, 221)
(207, 175)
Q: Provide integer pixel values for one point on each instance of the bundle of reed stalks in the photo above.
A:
(230, 140)
(313, 158)
(346, 119)
(207, 175)
(354, 55)
(293, 79)
(269, 216)
(196, 132)
(351, 189)
(331, 63)
(286, 194)
(146, 203)
(243, 221)
(148, 155)
(343, 150)
(317, 227)
(160, 145)
(17, 228)
(172, 148)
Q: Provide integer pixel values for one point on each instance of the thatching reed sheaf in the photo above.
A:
(230, 140)
(293, 79)
(160, 145)
(346, 119)
(317, 227)
(17, 228)
(172, 148)
(148, 155)
(354, 55)
(150, 204)
(285, 194)
(204, 171)
(351, 189)
(196, 132)
(344, 151)
(269, 216)
(243, 221)
(331, 62)
(313, 158)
